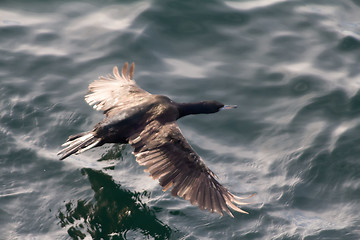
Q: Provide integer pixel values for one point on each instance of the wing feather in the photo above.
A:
(194, 192)
(208, 202)
(124, 71)
(131, 71)
(116, 91)
(201, 198)
(222, 203)
(170, 159)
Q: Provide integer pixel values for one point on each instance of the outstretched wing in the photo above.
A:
(116, 91)
(169, 158)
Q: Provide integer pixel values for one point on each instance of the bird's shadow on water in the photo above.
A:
(113, 213)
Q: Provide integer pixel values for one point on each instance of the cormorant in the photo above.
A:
(148, 123)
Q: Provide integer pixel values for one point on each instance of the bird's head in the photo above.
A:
(214, 106)
(204, 107)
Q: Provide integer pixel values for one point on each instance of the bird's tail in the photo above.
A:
(79, 143)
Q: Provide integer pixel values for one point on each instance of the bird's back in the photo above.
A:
(120, 125)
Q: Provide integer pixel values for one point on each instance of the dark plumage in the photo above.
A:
(148, 123)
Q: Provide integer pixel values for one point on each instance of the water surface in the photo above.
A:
(292, 67)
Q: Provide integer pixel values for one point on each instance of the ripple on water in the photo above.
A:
(349, 44)
(291, 67)
(329, 60)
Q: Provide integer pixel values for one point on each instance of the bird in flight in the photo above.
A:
(148, 123)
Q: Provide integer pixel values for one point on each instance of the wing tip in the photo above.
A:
(131, 71)
(126, 73)
(116, 72)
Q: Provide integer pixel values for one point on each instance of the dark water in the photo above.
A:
(293, 67)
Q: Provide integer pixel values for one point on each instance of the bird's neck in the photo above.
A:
(190, 108)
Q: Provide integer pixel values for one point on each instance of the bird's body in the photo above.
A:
(148, 123)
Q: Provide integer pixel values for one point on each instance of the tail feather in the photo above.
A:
(79, 143)
(72, 137)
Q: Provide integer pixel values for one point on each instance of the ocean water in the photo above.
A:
(292, 67)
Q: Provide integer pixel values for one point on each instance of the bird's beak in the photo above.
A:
(228, 107)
